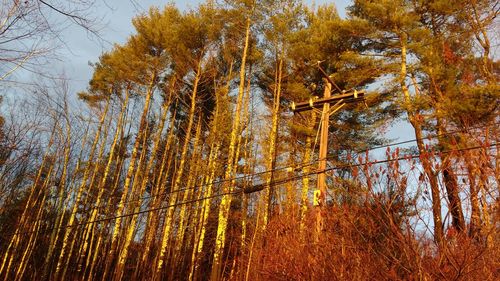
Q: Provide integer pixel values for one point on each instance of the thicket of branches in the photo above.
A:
(186, 162)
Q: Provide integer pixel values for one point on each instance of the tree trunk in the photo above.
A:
(143, 184)
(199, 238)
(225, 205)
(128, 180)
(426, 163)
(178, 178)
(305, 180)
(102, 184)
(80, 191)
(271, 153)
(475, 219)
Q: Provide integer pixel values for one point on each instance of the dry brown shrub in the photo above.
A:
(360, 243)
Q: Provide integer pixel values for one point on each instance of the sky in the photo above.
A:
(116, 20)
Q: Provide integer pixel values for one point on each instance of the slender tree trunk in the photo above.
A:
(252, 244)
(481, 33)
(94, 251)
(131, 206)
(205, 204)
(128, 180)
(271, 153)
(209, 178)
(488, 229)
(153, 219)
(248, 154)
(451, 184)
(475, 219)
(306, 168)
(80, 191)
(205, 210)
(15, 239)
(225, 205)
(48, 260)
(60, 206)
(426, 163)
(34, 230)
(102, 184)
(179, 176)
(132, 225)
(88, 190)
(187, 196)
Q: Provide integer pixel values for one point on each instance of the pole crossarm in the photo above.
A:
(350, 97)
(328, 105)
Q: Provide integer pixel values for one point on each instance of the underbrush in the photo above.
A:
(364, 243)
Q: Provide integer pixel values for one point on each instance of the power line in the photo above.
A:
(260, 186)
(257, 187)
(426, 138)
(406, 157)
(130, 214)
(300, 166)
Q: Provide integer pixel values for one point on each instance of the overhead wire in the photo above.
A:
(296, 167)
(263, 185)
(376, 162)
(131, 214)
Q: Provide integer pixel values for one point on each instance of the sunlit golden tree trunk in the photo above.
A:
(16, 237)
(88, 190)
(97, 261)
(80, 190)
(35, 227)
(178, 244)
(101, 187)
(153, 219)
(179, 175)
(482, 159)
(86, 203)
(307, 161)
(249, 163)
(426, 163)
(244, 125)
(271, 153)
(207, 189)
(227, 189)
(66, 136)
(143, 184)
(48, 259)
(130, 173)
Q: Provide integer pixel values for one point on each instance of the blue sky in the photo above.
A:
(116, 16)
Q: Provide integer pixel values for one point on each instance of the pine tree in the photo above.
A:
(390, 26)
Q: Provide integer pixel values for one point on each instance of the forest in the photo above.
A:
(248, 140)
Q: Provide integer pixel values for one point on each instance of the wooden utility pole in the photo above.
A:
(337, 101)
(320, 193)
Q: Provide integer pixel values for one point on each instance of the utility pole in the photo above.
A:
(337, 101)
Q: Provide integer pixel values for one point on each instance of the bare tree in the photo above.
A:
(31, 30)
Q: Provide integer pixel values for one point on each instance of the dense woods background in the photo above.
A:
(183, 161)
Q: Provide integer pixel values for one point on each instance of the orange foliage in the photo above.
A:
(361, 243)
